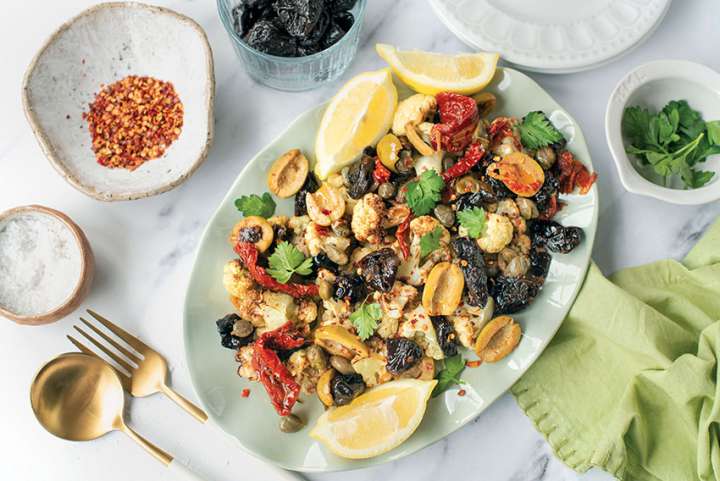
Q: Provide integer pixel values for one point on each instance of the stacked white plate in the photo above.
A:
(553, 36)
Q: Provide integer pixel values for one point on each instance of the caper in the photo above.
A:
(545, 156)
(466, 184)
(405, 164)
(291, 424)
(341, 365)
(325, 289)
(386, 190)
(341, 228)
(445, 215)
(242, 328)
(447, 162)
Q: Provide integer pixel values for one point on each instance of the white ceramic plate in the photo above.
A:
(253, 420)
(553, 36)
(102, 45)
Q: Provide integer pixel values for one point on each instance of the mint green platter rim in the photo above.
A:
(253, 421)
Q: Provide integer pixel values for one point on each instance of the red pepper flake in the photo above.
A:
(473, 155)
(134, 120)
(462, 392)
(381, 174)
(501, 128)
(574, 174)
(458, 119)
(402, 235)
(279, 383)
(245, 392)
(473, 363)
(249, 255)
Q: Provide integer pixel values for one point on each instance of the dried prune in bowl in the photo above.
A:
(340, 5)
(445, 335)
(344, 20)
(299, 17)
(266, 37)
(333, 34)
(402, 354)
(379, 269)
(312, 41)
(473, 269)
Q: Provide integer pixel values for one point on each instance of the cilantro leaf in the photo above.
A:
(287, 260)
(424, 193)
(430, 242)
(365, 319)
(255, 205)
(450, 375)
(636, 126)
(473, 220)
(537, 131)
(713, 130)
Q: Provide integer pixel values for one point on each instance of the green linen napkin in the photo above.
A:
(630, 382)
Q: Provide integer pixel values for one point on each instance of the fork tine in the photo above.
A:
(130, 355)
(124, 379)
(107, 351)
(121, 333)
(82, 347)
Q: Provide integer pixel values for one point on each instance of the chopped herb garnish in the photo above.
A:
(365, 319)
(450, 375)
(424, 193)
(255, 205)
(537, 131)
(473, 220)
(287, 260)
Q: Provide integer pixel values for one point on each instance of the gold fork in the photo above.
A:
(144, 375)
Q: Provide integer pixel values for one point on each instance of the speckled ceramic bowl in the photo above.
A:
(102, 45)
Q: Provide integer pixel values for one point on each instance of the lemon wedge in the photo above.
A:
(376, 421)
(358, 116)
(430, 73)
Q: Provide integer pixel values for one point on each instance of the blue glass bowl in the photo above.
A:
(295, 73)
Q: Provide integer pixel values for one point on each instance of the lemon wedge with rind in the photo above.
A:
(356, 117)
(430, 73)
(376, 421)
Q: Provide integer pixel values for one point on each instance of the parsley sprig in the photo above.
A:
(287, 260)
(366, 318)
(256, 205)
(450, 375)
(473, 220)
(430, 242)
(537, 131)
(672, 141)
(424, 193)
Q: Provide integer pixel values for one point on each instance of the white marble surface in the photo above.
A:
(144, 248)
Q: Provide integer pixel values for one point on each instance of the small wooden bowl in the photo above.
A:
(87, 269)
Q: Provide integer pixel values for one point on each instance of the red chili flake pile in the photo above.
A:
(473, 363)
(462, 392)
(134, 120)
(245, 393)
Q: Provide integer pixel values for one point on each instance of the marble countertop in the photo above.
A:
(144, 248)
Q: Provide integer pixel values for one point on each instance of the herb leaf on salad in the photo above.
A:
(287, 260)
(256, 205)
(430, 242)
(473, 220)
(450, 375)
(424, 193)
(537, 131)
(365, 319)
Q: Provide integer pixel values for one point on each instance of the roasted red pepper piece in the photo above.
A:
(458, 119)
(473, 155)
(574, 174)
(402, 236)
(381, 174)
(249, 255)
(278, 382)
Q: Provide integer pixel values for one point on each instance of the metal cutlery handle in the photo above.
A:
(156, 452)
(188, 406)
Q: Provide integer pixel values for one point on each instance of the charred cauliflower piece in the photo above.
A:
(244, 358)
(468, 320)
(245, 295)
(413, 110)
(417, 325)
(393, 305)
(367, 219)
(498, 234)
(299, 225)
(306, 366)
(321, 239)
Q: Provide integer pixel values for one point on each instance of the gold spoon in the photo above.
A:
(79, 398)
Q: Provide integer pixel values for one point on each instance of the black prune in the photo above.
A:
(539, 263)
(344, 19)
(512, 293)
(225, 327)
(322, 261)
(299, 17)
(473, 270)
(544, 198)
(230, 342)
(349, 287)
(360, 177)
(225, 324)
(310, 186)
(566, 240)
(445, 334)
(498, 188)
(339, 5)
(312, 41)
(332, 35)
(281, 233)
(248, 12)
(402, 354)
(379, 269)
(474, 199)
(251, 233)
(266, 37)
(370, 151)
(346, 387)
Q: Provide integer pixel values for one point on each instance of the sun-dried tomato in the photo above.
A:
(574, 174)
(381, 174)
(473, 155)
(278, 382)
(458, 118)
(402, 236)
(249, 255)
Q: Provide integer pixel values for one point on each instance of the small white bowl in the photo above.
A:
(102, 45)
(652, 86)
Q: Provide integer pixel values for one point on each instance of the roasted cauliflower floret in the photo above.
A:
(336, 312)
(498, 234)
(393, 305)
(367, 219)
(307, 311)
(245, 295)
(415, 270)
(417, 325)
(306, 366)
(414, 110)
(244, 358)
(298, 225)
(396, 215)
(277, 309)
(468, 320)
(322, 239)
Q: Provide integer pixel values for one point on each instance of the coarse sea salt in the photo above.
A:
(40, 263)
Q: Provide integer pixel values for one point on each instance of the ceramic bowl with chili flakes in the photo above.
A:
(130, 113)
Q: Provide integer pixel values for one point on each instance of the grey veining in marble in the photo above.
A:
(144, 248)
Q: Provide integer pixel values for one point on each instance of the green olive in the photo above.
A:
(291, 423)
